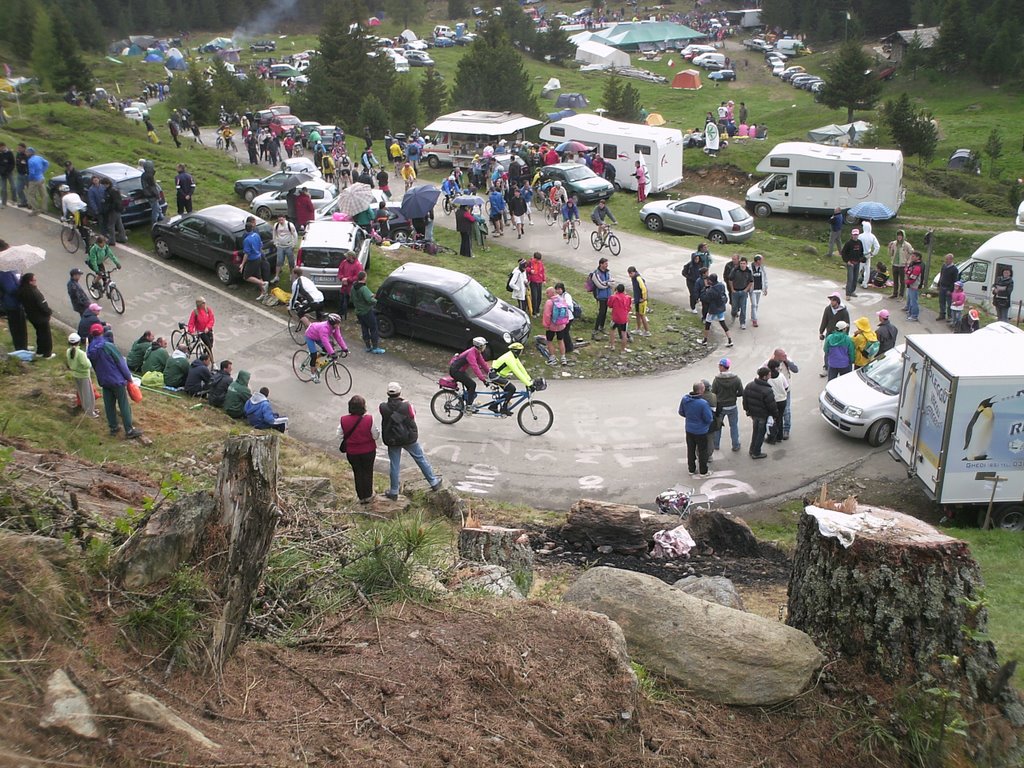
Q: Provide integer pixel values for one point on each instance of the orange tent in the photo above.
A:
(688, 79)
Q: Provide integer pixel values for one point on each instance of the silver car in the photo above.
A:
(712, 218)
(270, 205)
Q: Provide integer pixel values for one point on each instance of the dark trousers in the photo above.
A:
(775, 435)
(465, 244)
(535, 298)
(468, 382)
(18, 327)
(44, 339)
(834, 373)
(758, 428)
(371, 334)
(697, 453)
(945, 295)
(899, 287)
(343, 302)
(362, 473)
(184, 204)
(569, 346)
(115, 398)
(602, 314)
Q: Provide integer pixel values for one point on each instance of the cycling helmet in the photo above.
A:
(515, 348)
(334, 319)
(64, 188)
(479, 342)
(558, 183)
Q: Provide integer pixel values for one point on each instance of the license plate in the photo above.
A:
(324, 280)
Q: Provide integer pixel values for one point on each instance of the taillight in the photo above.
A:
(236, 257)
(298, 258)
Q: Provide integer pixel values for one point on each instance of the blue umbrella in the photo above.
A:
(470, 200)
(419, 200)
(872, 211)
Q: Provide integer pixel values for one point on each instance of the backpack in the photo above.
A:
(577, 310)
(872, 348)
(508, 283)
(398, 430)
(560, 313)
(588, 284)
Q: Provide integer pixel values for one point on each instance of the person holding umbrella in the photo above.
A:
(14, 262)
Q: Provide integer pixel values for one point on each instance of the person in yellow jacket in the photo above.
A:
(397, 156)
(639, 301)
(504, 367)
(865, 342)
(408, 175)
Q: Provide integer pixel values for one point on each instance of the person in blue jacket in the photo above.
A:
(261, 415)
(699, 418)
(113, 376)
(497, 201)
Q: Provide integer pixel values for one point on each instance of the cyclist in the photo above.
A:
(200, 323)
(450, 187)
(74, 208)
(501, 369)
(570, 213)
(98, 255)
(557, 196)
(228, 137)
(470, 361)
(599, 214)
(319, 336)
(307, 300)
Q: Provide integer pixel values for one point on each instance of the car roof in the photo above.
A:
(566, 166)
(327, 233)
(115, 171)
(228, 215)
(438, 277)
(711, 200)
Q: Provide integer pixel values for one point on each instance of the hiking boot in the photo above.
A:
(133, 433)
(391, 496)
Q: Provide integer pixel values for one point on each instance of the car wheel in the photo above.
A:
(385, 327)
(762, 210)
(224, 273)
(880, 433)
(717, 237)
(249, 194)
(433, 162)
(55, 198)
(264, 213)
(654, 223)
(617, 186)
(163, 248)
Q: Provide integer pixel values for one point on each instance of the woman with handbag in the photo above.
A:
(114, 377)
(359, 444)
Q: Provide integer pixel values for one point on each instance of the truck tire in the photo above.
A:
(762, 210)
(880, 433)
(1007, 517)
(433, 162)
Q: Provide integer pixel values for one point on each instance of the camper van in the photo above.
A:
(985, 265)
(789, 46)
(458, 136)
(622, 144)
(817, 179)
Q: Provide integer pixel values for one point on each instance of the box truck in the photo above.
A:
(816, 179)
(622, 144)
(456, 137)
(960, 421)
(987, 263)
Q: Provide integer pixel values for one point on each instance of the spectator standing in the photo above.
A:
(694, 280)
(6, 175)
(359, 437)
(864, 339)
(536, 275)
(38, 313)
(853, 256)
(465, 223)
(304, 210)
(759, 405)
(113, 376)
(728, 390)
(348, 275)
(839, 351)
(948, 276)
(640, 174)
(517, 284)
(758, 287)
(639, 301)
(184, 187)
(399, 432)
(835, 229)
(871, 248)
(1002, 293)
(556, 318)
(602, 280)
(914, 280)
(285, 239)
(619, 303)
(885, 332)
(201, 322)
(81, 372)
(364, 303)
(252, 270)
(575, 313)
(780, 391)
(113, 204)
(36, 192)
(956, 303)
(21, 175)
(699, 418)
(715, 297)
(899, 256)
(741, 280)
(833, 314)
(80, 301)
(151, 189)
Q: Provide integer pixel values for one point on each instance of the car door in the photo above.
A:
(686, 218)
(190, 235)
(397, 299)
(975, 277)
(712, 219)
(437, 319)
(271, 182)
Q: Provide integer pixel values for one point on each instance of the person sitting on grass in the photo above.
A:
(261, 415)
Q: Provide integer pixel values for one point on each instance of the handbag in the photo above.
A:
(345, 435)
(134, 392)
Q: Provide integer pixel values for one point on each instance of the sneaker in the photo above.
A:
(377, 351)
(626, 349)
(703, 342)
(759, 455)
(436, 485)
(565, 360)
(695, 311)
(743, 326)
(693, 473)
(551, 361)
(114, 431)
(391, 496)
(95, 414)
(735, 448)
(133, 433)
(729, 344)
(316, 378)
(754, 322)
(785, 435)
(705, 475)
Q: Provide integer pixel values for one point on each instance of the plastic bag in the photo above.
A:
(134, 392)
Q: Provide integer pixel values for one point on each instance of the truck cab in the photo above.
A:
(987, 263)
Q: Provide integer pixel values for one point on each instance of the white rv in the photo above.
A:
(458, 136)
(980, 271)
(622, 144)
(817, 179)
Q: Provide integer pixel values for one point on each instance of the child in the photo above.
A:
(879, 275)
(956, 303)
(619, 303)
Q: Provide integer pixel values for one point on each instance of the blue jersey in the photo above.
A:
(252, 246)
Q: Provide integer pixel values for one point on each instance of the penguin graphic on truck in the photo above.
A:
(978, 437)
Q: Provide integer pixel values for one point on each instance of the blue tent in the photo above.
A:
(175, 60)
(134, 50)
(554, 116)
(154, 56)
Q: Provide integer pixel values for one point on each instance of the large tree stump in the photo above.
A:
(495, 545)
(592, 524)
(899, 597)
(246, 494)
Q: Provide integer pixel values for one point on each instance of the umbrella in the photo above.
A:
(470, 200)
(295, 180)
(872, 211)
(572, 146)
(355, 198)
(655, 119)
(20, 258)
(419, 200)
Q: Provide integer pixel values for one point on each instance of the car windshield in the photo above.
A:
(885, 373)
(578, 173)
(473, 299)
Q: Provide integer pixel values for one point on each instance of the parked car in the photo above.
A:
(301, 165)
(447, 308)
(263, 46)
(441, 30)
(323, 248)
(444, 42)
(332, 207)
(797, 81)
(711, 218)
(419, 58)
(211, 238)
(578, 180)
(283, 71)
(135, 209)
(134, 113)
(863, 403)
(270, 205)
(250, 188)
(467, 38)
(722, 74)
(416, 45)
(306, 127)
(790, 72)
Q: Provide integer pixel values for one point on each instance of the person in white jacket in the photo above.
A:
(517, 283)
(871, 248)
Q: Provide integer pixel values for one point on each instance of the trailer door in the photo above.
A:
(921, 422)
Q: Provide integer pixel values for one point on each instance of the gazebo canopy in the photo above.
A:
(631, 35)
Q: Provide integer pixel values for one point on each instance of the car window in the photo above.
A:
(316, 194)
(432, 302)
(737, 214)
(275, 178)
(579, 173)
(401, 293)
(693, 208)
(219, 239)
(193, 226)
(710, 212)
(473, 299)
(976, 272)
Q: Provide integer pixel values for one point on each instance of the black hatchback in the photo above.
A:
(211, 238)
(127, 178)
(447, 308)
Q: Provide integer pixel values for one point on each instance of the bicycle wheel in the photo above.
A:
(93, 285)
(296, 329)
(448, 205)
(595, 241)
(535, 417)
(574, 238)
(116, 299)
(176, 338)
(338, 378)
(614, 245)
(551, 216)
(447, 406)
(300, 364)
(71, 239)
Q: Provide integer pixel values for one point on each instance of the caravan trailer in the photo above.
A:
(458, 136)
(622, 144)
(817, 179)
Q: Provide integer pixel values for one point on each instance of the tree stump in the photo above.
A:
(495, 545)
(592, 524)
(246, 493)
(900, 597)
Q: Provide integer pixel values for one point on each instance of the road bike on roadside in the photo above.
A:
(328, 369)
(535, 417)
(100, 285)
(192, 341)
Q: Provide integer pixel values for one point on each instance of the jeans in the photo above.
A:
(732, 412)
(755, 302)
(20, 182)
(787, 418)
(697, 453)
(1003, 313)
(834, 373)
(852, 272)
(116, 227)
(739, 306)
(155, 214)
(7, 183)
(945, 296)
(913, 310)
(395, 457)
(757, 435)
(285, 252)
(114, 398)
(371, 334)
(602, 314)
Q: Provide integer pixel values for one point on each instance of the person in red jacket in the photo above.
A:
(536, 276)
(359, 441)
(304, 210)
(348, 271)
(200, 323)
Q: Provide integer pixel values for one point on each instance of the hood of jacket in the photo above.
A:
(863, 325)
(257, 398)
(243, 378)
(148, 167)
(837, 338)
(179, 355)
(198, 363)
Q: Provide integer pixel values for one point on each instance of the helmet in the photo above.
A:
(516, 348)
(64, 188)
(479, 342)
(334, 319)
(558, 183)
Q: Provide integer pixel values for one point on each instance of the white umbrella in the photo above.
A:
(355, 199)
(20, 258)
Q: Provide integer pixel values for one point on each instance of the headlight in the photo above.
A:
(506, 337)
(854, 412)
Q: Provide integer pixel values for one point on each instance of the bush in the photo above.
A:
(990, 203)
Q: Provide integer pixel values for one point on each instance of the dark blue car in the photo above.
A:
(127, 178)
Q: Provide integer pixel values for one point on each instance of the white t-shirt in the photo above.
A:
(72, 203)
(285, 235)
(308, 288)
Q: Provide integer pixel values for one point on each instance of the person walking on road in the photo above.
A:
(839, 351)
(364, 303)
(728, 389)
(899, 256)
(742, 283)
(715, 297)
(853, 256)
(399, 432)
(699, 418)
(833, 314)
(359, 437)
(948, 276)
(759, 405)
(835, 231)
(759, 286)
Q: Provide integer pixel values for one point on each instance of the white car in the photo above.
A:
(270, 205)
(863, 403)
(328, 211)
(133, 113)
(401, 63)
(416, 45)
(1020, 217)
(300, 165)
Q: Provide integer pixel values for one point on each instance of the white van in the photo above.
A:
(987, 263)
(442, 31)
(694, 49)
(710, 60)
(789, 46)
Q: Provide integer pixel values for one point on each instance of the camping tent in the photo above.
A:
(962, 160)
(408, 36)
(688, 79)
(230, 54)
(143, 41)
(631, 35)
(154, 55)
(829, 134)
(133, 50)
(219, 43)
(572, 101)
(593, 52)
(580, 37)
(175, 60)
(553, 84)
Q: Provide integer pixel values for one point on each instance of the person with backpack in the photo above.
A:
(113, 204)
(865, 342)
(470, 361)
(399, 432)
(556, 319)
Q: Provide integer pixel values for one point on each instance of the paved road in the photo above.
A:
(619, 439)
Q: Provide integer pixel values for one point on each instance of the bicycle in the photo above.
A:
(604, 237)
(297, 324)
(193, 343)
(552, 213)
(71, 235)
(572, 235)
(535, 417)
(334, 374)
(100, 285)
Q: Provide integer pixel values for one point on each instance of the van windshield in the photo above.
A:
(473, 299)
(885, 373)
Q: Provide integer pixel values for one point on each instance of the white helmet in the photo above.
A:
(64, 188)
(558, 183)
(479, 342)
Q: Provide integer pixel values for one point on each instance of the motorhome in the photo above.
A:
(980, 271)
(789, 46)
(622, 144)
(456, 137)
(817, 179)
